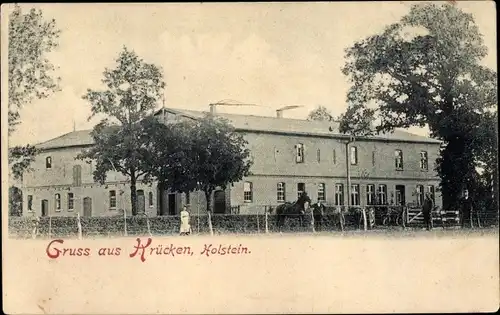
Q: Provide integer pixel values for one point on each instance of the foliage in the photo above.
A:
(31, 38)
(15, 201)
(425, 71)
(320, 113)
(133, 89)
(20, 159)
(357, 121)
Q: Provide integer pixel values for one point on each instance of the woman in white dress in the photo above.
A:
(185, 226)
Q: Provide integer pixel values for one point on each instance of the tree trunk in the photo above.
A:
(208, 197)
(133, 193)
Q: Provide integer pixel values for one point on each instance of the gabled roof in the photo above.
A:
(249, 123)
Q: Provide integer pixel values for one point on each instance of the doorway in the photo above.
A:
(220, 201)
(171, 204)
(400, 195)
(87, 207)
(45, 207)
(141, 202)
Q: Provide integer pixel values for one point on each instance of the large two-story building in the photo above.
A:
(290, 156)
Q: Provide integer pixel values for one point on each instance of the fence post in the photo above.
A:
(365, 224)
(125, 222)
(312, 220)
(50, 226)
(341, 218)
(79, 226)
(258, 227)
(147, 223)
(267, 225)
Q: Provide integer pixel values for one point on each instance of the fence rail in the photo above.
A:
(334, 218)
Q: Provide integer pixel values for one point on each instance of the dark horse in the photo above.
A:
(292, 210)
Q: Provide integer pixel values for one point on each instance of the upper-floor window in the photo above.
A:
(247, 192)
(280, 192)
(58, 202)
(339, 194)
(382, 194)
(30, 202)
(318, 155)
(48, 162)
(370, 194)
(150, 198)
(424, 162)
(71, 201)
(398, 158)
(373, 158)
(112, 199)
(334, 157)
(77, 175)
(321, 192)
(299, 153)
(354, 155)
(301, 188)
(420, 195)
(355, 195)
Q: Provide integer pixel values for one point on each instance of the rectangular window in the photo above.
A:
(247, 192)
(321, 192)
(58, 202)
(382, 194)
(318, 155)
(299, 153)
(112, 199)
(373, 158)
(339, 194)
(430, 189)
(420, 195)
(301, 187)
(424, 163)
(355, 195)
(77, 175)
(48, 162)
(398, 159)
(71, 201)
(281, 192)
(150, 197)
(188, 198)
(30, 202)
(354, 155)
(370, 194)
(334, 157)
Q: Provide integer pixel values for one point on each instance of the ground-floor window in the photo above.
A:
(321, 192)
(30, 202)
(112, 199)
(339, 194)
(430, 190)
(58, 202)
(420, 195)
(150, 197)
(301, 187)
(280, 192)
(71, 201)
(370, 194)
(247, 192)
(355, 195)
(382, 194)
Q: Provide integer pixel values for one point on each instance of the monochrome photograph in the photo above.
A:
(165, 125)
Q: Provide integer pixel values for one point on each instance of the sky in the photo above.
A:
(269, 54)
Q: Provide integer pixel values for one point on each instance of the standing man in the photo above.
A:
(466, 211)
(185, 226)
(427, 210)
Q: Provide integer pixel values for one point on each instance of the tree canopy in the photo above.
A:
(320, 113)
(133, 89)
(425, 70)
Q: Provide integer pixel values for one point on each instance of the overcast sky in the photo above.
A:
(268, 54)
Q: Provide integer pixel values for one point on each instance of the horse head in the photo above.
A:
(303, 199)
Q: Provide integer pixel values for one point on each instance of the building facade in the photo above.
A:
(290, 156)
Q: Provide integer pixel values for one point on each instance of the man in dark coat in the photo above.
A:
(427, 210)
(466, 209)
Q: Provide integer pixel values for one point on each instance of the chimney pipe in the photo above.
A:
(212, 109)
(279, 113)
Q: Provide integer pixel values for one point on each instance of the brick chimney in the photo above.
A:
(279, 113)
(212, 109)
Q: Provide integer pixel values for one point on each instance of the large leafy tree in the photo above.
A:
(425, 71)
(320, 113)
(202, 154)
(132, 91)
(30, 73)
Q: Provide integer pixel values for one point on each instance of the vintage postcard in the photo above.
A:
(223, 158)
